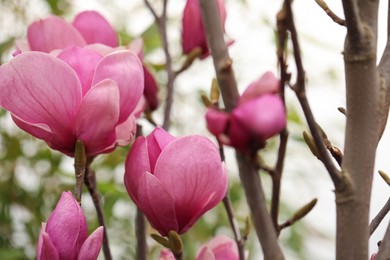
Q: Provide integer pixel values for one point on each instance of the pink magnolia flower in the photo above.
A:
(80, 94)
(193, 31)
(219, 248)
(65, 237)
(260, 114)
(174, 181)
(165, 254)
(55, 33)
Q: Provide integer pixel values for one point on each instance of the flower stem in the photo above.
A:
(90, 182)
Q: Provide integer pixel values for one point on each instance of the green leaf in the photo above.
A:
(151, 38)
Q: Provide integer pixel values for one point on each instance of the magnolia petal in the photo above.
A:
(193, 32)
(125, 69)
(157, 140)
(47, 251)
(216, 121)
(205, 254)
(263, 117)
(190, 169)
(52, 33)
(157, 204)
(41, 90)
(137, 162)
(239, 136)
(91, 248)
(223, 248)
(63, 226)
(95, 28)
(98, 116)
(150, 90)
(137, 45)
(83, 61)
(126, 131)
(266, 84)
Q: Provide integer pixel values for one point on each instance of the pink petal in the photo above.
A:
(98, 116)
(157, 140)
(137, 162)
(126, 131)
(91, 247)
(266, 84)
(126, 70)
(193, 33)
(205, 254)
(239, 136)
(150, 90)
(64, 225)
(224, 248)
(165, 254)
(190, 169)
(217, 121)
(52, 33)
(157, 204)
(47, 251)
(137, 46)
(83, 61)
(95, 28)
(263, 117)
(44, 92)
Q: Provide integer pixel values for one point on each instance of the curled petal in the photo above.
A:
(83, 61)
(91, 248)
(126, 131)
(217, 121)
(47, 249)
(53, 33)
(223, 248)
(193, 32)
(157, 140)
(190, 169)
(126, 70)
(263, 117)
(98, 116)
(137, 162)
(64, 226)
(205, 254)
(157, 204)
(266, 84)
(95, 28)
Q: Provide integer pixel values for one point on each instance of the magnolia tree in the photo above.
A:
(79, 88)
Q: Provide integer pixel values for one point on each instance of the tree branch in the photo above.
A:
(161, 22)
(384, 248)
(300, 91)
(379, 217)
(361, 135)
(90, 182)
(249, 176)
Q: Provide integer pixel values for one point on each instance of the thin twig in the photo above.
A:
(300, 92)
(161, 22)
(232, 220)
(277, 178)
(384, 248)
(140, 227)
(379, 217)
(80, 162)
(140, 224)
(330, 13)
(234, 226)
(90, 182)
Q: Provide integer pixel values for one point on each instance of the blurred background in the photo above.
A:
(32, 176)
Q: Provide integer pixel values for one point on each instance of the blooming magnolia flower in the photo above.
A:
(174, 181)
(80, 94)
(260, 114)
(64, 236)
(219, 248)
(193, 31)
(54, 33)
